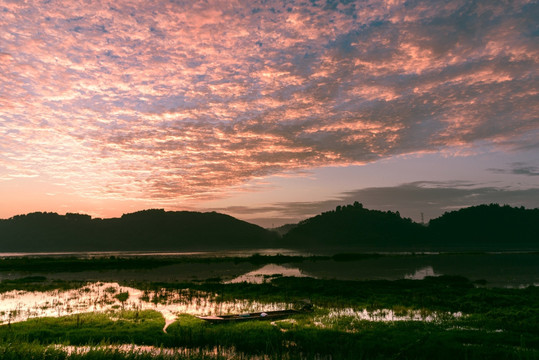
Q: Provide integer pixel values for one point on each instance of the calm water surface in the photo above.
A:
(514, 269)
(94, 254)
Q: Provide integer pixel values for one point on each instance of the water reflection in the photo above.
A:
(422, 273)
(266, 273)
(127, 254)
(18, 305)
(216, 352)
(498, 270)
(384, 315)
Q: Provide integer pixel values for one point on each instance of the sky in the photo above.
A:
(270, 111)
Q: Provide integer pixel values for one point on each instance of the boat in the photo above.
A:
(264, 315)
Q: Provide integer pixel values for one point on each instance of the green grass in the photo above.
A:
(344, 339)
(497, 323)
(138, 327)
(25, 351)
(352, 339)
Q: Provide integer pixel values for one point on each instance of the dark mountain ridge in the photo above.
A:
(353, 227)
(487, 226)
(350, 228)
(477, 228)
(155, 229)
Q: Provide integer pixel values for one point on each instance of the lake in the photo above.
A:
(514, 269)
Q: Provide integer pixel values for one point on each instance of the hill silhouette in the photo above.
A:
(156, 230)
(487, 227)
(350, 228)
(354, 227)
(478, 228)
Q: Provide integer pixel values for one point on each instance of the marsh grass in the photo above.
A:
(298, 337)
(443, 293)
(100, 263)
(497, 323)
(25, 351)
(349, 338)
(38, 283)
(140, 327)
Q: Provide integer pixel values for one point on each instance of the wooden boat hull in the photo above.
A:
(265, 315)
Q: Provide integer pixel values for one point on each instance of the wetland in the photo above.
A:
(387, 306)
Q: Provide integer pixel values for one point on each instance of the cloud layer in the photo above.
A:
(179, 99)
(518, 168)
(412, 200)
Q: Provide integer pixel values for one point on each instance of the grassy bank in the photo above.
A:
(495, 323)
(344, 339)
(25, 351)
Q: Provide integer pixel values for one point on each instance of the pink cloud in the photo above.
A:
(180, 100)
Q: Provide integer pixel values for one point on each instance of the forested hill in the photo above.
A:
(145, 230)
(487, 226)
(479, 228)
(357, 228)
(347, 228)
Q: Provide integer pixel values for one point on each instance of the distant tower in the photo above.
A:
(422, 219)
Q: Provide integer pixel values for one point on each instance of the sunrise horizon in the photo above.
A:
(269, 179)
(271, 112)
